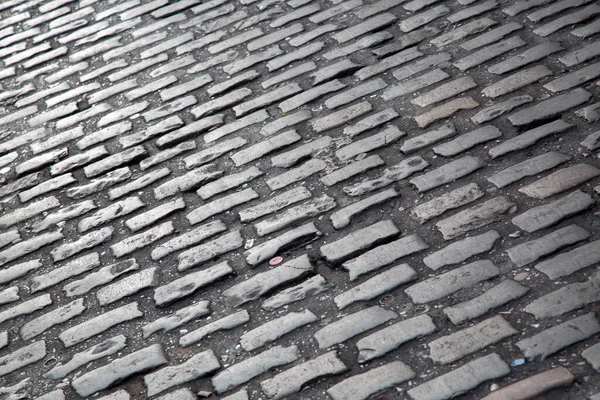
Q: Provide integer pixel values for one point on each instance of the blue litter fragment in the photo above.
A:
(517, 362)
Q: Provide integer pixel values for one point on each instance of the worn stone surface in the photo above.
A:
(461, 379)
(274, 329)
(171, 171)
(384, 255)
(447, 283)
(292, 380)
(352, 325)
(387, 339)
(535, 385)
(554, 339)
(462, 250)
(547, 215)
(196, 366)
(528, 252)
(476, 217)
(453, 347)
(104, 377)
(243, 371)
(497, 296)
(362, 386)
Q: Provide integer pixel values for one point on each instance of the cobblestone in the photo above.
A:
(22, 357)
(570, 262)
(448, 349)
(358, 241)
(195, 367)
(276, 328)
(535, 385)
(568, 298)
(497, 296)
(475, 217)
(360, 387)
(529, 138)
(547, 215)
(447, 283)
(312, 286)
(461, 379)
(189, 283)
(242, 372)
(104, 377)
(270, 248)
(384, 255)
(376, 286)
(99, 324)
(462, 250)
(528, 252)
(352, 325)
(261, 283)
(559, 336)
(192, 86)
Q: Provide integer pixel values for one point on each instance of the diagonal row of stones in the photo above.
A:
(95, 94)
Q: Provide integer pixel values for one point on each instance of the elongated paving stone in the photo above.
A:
(252, 288)
(457, 345)
(291, 380)
(384, 255)
(352, 325)
(119, 369)
(461, 379)
(243, 371)
(549, 214)
(447, 283)
(556, 338)
(387, 339)
(362, 386)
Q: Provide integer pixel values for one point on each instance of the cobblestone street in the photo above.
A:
(299, 199)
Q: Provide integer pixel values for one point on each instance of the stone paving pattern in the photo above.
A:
(300, 199)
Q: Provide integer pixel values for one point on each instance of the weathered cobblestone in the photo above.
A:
(568, 298)
(358, 241)
(445, 110)
(259, 284)
(104, 377)
(270, 248)
(570, 262)
(531, 251)
(497, 296)
(341, 218)
(462, 379)
(445, 284)
(22, 357)
(176, 319)
(560, 336)
(292, 380)
(99, 324)
(453, 347)
(560, 181)
(243, 371)
(475, 217)
(362, 386)
(384, 255)
(535, 385)
(462, 250)
(276, 328)
(549, 214)
(189, 283)
(312, 286)
(295, 215)
(376, 286)
(167, 377)
(104, 106)
(352, 325)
